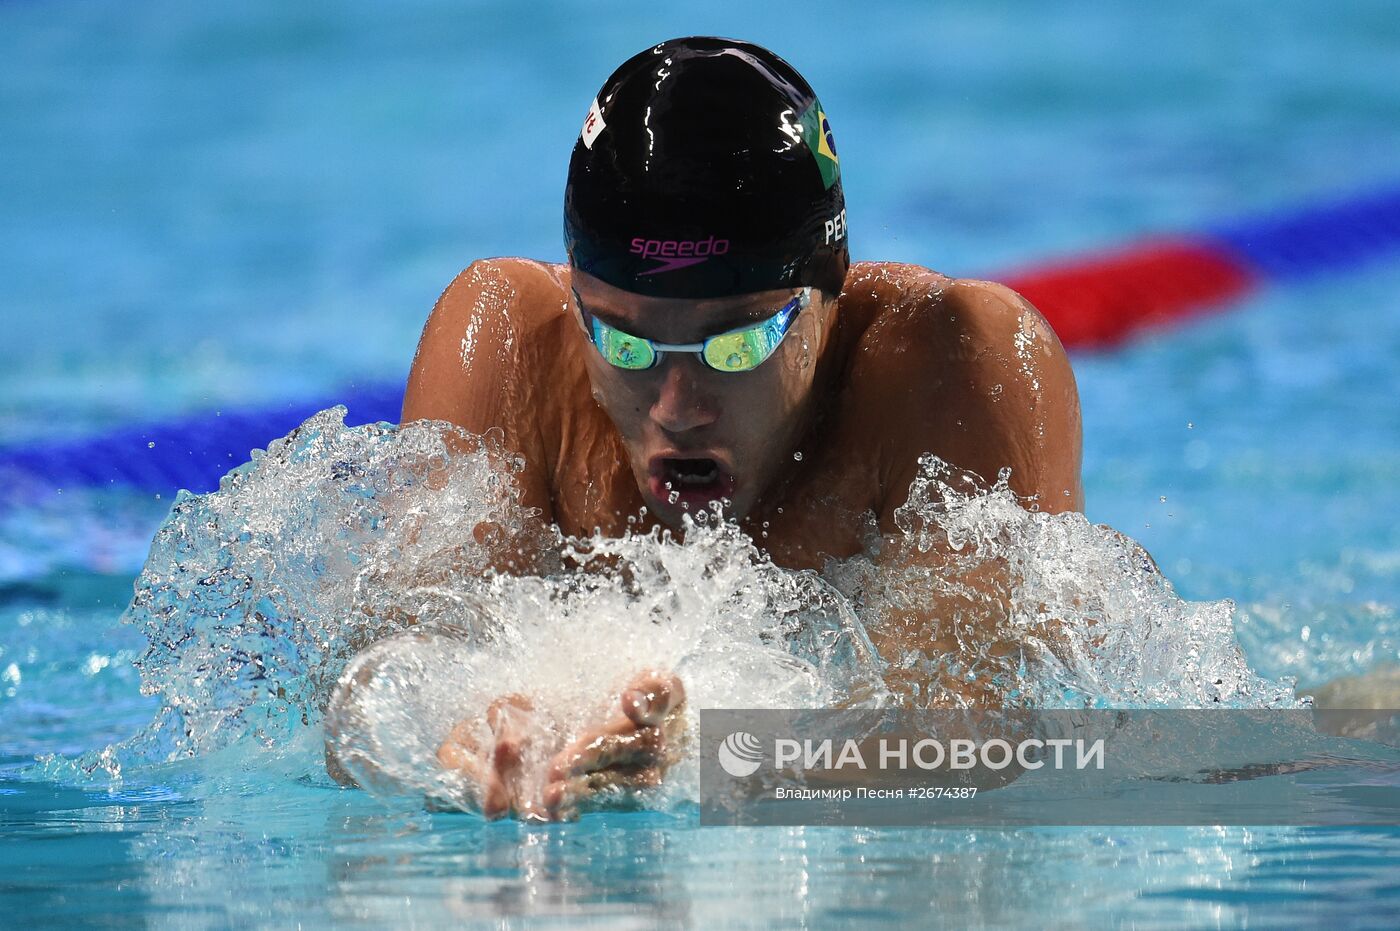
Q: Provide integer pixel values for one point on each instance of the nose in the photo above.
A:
(682, 403)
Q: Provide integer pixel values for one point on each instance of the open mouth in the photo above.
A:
(691, 473)
(690, 482)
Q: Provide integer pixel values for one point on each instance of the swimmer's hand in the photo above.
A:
(632, 748)
(498, 772)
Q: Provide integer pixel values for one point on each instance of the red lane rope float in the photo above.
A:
(1097, 302)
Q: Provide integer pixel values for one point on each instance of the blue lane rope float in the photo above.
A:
(1314, 240)
(191, 452)
(1093, 302)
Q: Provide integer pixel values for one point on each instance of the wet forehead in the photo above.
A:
(677, 321)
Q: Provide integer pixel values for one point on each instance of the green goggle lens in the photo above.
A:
(739, 350)
(622, 350)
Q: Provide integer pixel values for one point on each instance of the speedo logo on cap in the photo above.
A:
(677, 253)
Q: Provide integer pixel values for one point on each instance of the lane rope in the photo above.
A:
(1094, 302)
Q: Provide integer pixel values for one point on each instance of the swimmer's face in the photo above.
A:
(693, 434)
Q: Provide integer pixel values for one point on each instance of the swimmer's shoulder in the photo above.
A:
(968, 370)
(495, 334)
(526, 294)
(495, 356)
(924, 317)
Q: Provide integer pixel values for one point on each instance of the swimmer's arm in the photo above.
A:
(465, 372)
(476, 366)
(473, 367)
(949, 641)
(985, 384)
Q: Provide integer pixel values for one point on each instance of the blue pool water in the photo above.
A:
(227, 206)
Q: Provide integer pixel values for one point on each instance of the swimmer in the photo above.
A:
(709, 344)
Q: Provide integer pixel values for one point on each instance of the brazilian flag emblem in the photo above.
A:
(816, 132)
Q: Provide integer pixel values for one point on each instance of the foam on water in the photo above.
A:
(1080, 615)
(256, 597)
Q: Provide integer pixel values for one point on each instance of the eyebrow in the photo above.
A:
(726, 323)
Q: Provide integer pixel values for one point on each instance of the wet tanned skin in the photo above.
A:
(906, 362)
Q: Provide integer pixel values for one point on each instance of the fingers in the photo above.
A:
(627, 751)
(459, 747)
(621, 743)
(633, 736)
(619, 754)
(512, 721)
(461, 753)
(507, 707)
(562, 797)
(495, 773)
(651, 696)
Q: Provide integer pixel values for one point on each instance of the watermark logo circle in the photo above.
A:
(740, 754)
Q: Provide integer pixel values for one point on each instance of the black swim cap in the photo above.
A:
(706, 168)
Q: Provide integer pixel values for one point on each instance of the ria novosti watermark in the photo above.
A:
(1050, 767)
(740, 753)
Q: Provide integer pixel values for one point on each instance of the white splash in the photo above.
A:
(255, 597)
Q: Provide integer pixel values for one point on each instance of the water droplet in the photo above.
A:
(151, 444)
(673, 497)
(1190, 425)
(732, 360)
(797, 455)
(1162, 498)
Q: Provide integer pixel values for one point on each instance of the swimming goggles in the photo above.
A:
(738, 350)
